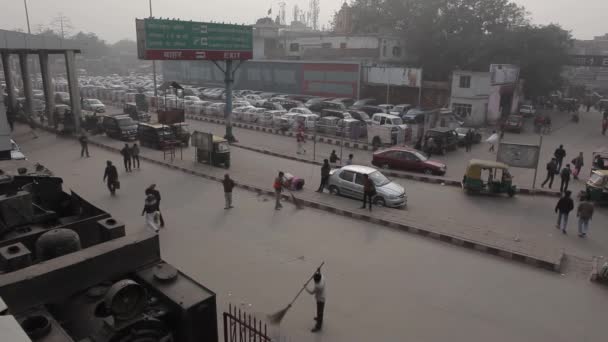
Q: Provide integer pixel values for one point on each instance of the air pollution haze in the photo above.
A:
(113, 20)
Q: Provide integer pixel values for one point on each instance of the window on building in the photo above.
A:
(326, 45)
(465, 81)
(294, 47)
(462, 109)
(342, 45)
(396, 51)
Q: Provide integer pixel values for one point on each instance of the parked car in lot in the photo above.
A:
(514, 123)
(462, 133)
(445, 139)
(387, 129)
(271, 106)
(300, 110)
(252, 115)
(286, 121)
(328, 125)
(360, 115)
(345, 100)
(348, 181)
(216, 109)
(527, 110)
(93, 105)
(386, 107)
(400, 109)
(371, 110)
(364, 102)
(318, 107)
(308, 121)
(254, 99)
(120, 127)
(286, 103)
(62, 97)
(237, 113)
(339, 113)
(351, 128)
(269, 117)
(407, 159)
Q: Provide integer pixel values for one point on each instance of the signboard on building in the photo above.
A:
(202, 141)
(503, 74)
(405, 77)
(589, 60)
(164, 39)
(518, 155)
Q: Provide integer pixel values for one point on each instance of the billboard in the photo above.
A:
(518, 155)
(503, 74)
(164, 39)
(405, 77)
(589, 60)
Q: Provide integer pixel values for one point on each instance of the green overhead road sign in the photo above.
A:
(175, 39)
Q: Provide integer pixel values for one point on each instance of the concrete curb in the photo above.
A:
(320, 138)
(419, 178)
(552, 265)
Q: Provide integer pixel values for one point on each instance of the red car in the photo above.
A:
(407, 159)
(514, 123)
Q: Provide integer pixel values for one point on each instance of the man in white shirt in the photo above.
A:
(319, 291)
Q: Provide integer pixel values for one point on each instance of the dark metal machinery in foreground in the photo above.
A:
(69, 273)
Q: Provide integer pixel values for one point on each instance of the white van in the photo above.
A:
(386, 129)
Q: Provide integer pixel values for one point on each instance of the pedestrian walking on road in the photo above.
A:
(604, 126)
(301, 139)
(333, 159)
(369, 190)
(563, 208)
(318, 291)
(150, 212)
(559, 155)
(84, 145)
(10, 117)
(468, 140)
(565, 175)
(551, 170)
(151, 190)
(492, 140)
(278, 189)
(135, 156)
(111, 175)
(349, 161)
(584, 213)
(578, 165)
(126, 157)
(324, 175)
(228, 186)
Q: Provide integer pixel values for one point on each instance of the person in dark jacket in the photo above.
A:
(333, 159)
(563, 208)
(84, 145)
(565, 174)
(151, 190)
(135, 155)
(324, 175)
(584, 213)
(559, 155)
(551, 168)
(111, 175)
(369, 190)
(578, 165)
(228, 186)
(126, 156)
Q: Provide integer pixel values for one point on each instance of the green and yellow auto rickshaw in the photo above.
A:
(596, 188)
(489, 177)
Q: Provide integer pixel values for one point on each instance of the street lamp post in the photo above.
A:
(27, 17)
(153, 61)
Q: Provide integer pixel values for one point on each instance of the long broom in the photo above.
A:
(277, 317)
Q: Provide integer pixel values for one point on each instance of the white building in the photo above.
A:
(482, 98)
(470, 96)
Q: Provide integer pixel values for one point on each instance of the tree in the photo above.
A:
(445, 35)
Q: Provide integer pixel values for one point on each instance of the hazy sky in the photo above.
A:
(113, 20)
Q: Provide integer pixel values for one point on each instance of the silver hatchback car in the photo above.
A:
(348, 181)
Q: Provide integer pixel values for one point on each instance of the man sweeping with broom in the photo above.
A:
(319, 291)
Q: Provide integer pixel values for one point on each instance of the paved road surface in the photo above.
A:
(383, 285)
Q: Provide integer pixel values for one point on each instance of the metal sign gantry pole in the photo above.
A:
(228, 80)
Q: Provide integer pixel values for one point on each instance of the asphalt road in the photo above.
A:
(529, 220)
(383, 285)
